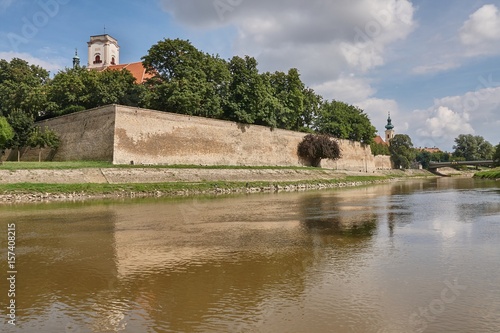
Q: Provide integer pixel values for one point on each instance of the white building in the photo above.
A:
(104, 51)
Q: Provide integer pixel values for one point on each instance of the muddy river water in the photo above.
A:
(416, 256)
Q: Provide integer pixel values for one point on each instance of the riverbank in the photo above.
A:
(490, 174)
(44, 185)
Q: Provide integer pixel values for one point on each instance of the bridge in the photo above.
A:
(436, 165)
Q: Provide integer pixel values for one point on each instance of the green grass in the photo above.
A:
(490, 174)
(97, 164)
(99, 189)
(53, 165)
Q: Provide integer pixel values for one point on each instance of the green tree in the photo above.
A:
(496, 156)
(244, 90)
(293, 99)
(78, 89)
(345, 121)
(6, 134)
(312, 106)
(42, 139)
(424, 158)
(379, 149)
(315, 147)
(22, 88)
(185, 80)
(402, 151)
(22, 124)
(472, 148)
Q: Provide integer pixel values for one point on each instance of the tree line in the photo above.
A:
(467, 148)
(185, 80)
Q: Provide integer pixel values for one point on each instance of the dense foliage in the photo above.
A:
(185, 80)
(473, 148)
(496, 156)
(43, 138)
(345, 121)
(379, 149)
(315, 147)
(6, 133)
(402, 151)
(424, 157)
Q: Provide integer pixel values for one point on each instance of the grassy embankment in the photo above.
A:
(164, 188)
(92, 164)
(489, 174)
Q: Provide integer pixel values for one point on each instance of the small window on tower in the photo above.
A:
(97, 59)
(113, 62)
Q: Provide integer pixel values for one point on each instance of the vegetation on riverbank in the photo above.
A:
(490, 174)
(172, 187)
(29, 192)
(47, 181)
(96, 164)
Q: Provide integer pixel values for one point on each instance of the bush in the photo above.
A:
(315, 147)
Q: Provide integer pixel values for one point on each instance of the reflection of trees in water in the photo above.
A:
(334, 215)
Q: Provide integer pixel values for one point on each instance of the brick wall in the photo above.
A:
(127, 135)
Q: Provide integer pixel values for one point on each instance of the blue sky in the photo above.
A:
(433, 64)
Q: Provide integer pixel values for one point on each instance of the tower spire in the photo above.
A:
(76, 60)
(389, 125)
(389, 130)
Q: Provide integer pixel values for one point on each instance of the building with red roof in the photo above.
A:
(104, 54)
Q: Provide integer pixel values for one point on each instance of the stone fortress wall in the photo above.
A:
(125, 135)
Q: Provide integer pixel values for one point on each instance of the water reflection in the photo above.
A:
(358, 260)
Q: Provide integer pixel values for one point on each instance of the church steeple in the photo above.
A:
(389, 129)
(389, 125)
(76, 60)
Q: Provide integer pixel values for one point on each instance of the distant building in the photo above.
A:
(389, 133)
(104, 54)
(389, 130)
(431, 150)
(378, 139)
(103, 51)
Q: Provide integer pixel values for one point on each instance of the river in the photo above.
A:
(415, 256)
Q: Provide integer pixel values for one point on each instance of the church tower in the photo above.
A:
(389, 130)
(103, 52)
(76, 60)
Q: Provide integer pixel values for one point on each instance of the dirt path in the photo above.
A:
(165, 175)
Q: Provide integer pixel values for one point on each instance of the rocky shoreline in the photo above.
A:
(30, 186)
(33, 197)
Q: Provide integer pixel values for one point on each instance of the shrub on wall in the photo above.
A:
(315, 147)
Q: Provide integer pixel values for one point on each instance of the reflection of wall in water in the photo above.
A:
(62, 254)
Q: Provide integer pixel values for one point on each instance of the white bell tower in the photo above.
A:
(103, 52)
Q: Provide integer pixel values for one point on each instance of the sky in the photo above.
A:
(434, 65)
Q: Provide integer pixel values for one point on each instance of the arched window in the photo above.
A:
(113, 62)
(97, 59)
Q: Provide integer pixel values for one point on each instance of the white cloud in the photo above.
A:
(475, 112)
(378, 110)
(52, 65)
(435, 68)
(480, 32)
(444, 123)
(358, 91)
(321, 38)
(346, 88)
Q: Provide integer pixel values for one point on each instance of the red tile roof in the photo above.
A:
(380, 141)
(136, 68)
